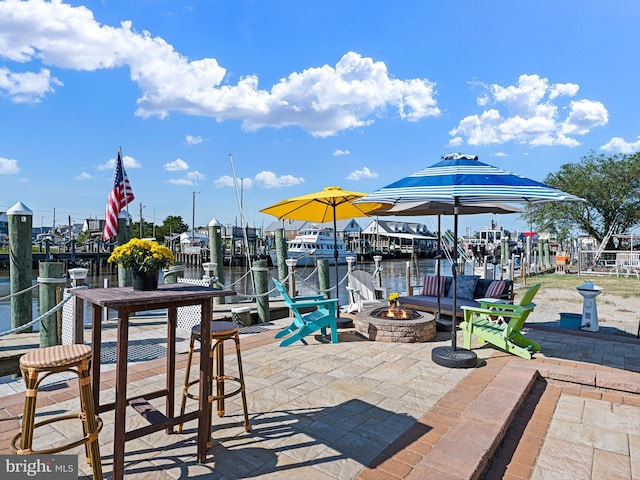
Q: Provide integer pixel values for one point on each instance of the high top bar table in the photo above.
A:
(127, 301)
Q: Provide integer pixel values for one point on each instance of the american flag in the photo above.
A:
(120, 195)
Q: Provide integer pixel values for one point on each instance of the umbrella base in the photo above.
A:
(454, 358)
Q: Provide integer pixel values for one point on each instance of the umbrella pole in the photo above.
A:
(335, 260)
(452, 356)
(438, 258)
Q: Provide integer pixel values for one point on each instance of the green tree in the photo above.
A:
(610, 186)
(171, 225)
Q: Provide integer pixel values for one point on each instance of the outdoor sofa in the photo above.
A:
(470, 288)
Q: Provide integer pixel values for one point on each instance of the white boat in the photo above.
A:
(314, 243)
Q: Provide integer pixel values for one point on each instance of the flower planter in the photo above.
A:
(145, 281)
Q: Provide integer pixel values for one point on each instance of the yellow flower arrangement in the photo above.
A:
(393, 297)
(142, 255)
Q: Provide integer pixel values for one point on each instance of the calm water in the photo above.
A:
(236, 278)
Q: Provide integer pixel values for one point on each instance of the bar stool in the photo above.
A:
(220, 331)
(49, 360)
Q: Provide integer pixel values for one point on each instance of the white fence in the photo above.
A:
(610, 262)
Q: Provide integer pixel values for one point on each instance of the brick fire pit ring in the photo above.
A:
(421, 329)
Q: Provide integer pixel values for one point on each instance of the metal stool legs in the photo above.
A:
(46, 361)
(220, 332)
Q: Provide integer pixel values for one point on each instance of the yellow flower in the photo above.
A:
(393, 296)
(142, 255)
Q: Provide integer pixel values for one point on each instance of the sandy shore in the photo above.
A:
(616, 315)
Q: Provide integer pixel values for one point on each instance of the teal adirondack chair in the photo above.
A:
(322, 316)
(480, 321)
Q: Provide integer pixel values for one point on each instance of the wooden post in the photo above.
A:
(51, 277)
(20, 264)
(125, 233)
(323, 277)
(261, 279)
(216, 253)
(281, 253)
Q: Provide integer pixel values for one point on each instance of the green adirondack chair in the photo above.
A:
(305, 322)
(481, 322)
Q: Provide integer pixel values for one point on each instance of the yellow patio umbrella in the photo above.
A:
(329, 204)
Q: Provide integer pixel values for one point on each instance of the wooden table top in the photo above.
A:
(173, 293)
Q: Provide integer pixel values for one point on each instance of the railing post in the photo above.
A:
(376, 261)
(74, 333)
(51, 276)
(291, 267)
(408, 277)
(262, 287)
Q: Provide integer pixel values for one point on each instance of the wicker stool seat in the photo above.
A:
(35, 367)
(220, 331)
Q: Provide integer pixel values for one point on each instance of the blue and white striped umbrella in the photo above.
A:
(465, 179)
(460, 184)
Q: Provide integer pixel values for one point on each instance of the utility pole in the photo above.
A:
(193, 218)
(141, 235)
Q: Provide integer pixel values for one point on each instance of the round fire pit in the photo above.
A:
(386, 324)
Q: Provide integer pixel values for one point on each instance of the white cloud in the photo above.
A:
(8, 166)
(181, 181)
(585, 115)
(339, 152)
(128, 162)
(27, 87)
(361, 174)
(528, 113)
(83, 176)
(193, 140)
(227, 181)
(196, 175)
(268, 179)
(224, 181)
(620, 145)
(323, 100)
(177, 165)
(499, 154)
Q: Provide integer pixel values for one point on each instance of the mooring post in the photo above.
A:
(323, 278)
(216, 254)
(261, 279)
(20, 264)
(125, 233)
(281, 254)
(51, 278)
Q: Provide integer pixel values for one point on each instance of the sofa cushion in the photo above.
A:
(466, 286)
(495, 289)
(430, 285)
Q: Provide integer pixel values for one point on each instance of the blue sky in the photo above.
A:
(302, 95)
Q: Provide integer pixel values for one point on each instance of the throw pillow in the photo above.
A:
(495, 289)
(430, 285)
(466, 286)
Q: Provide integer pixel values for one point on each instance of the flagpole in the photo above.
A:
(125, 187)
